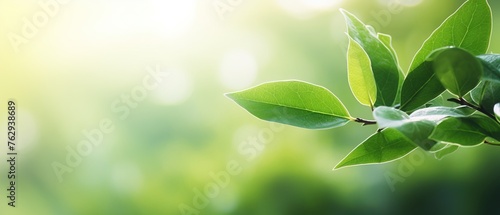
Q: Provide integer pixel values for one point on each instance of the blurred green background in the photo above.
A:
(82, 61)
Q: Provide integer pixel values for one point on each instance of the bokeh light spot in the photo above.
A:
(238, 69)
(174, 89)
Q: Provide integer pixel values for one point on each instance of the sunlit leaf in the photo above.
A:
(294, 103)
(386, 39)
(360, 74)
(457, 70)
(384, 146)
(468, 28)
(384, 65)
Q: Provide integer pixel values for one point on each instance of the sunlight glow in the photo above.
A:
(175, 89)
(404, 3)
(173, 18)
(238, 69)
(127, 178)
(303, 8)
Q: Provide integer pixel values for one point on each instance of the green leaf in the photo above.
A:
(383, 63)
(416, 130)
(486, 94)
(496, 109)
(388, 117)
(438, 101)
(439, 146)
(437, 114)
(384, 146)
(466, 131)
(468, 28)
(360, 74)
(420, 87)
(445, 151)
(491, 67)
(294, 103)
(458, 70)
(387, 40)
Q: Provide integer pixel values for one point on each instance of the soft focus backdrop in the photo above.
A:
(153, 74)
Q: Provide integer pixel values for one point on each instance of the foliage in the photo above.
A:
(452, 59)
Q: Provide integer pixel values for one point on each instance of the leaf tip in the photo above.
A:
(338, 166)
(229, 95)
(346, 13)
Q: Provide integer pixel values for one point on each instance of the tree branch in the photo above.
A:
(491, 144)
(462, 101)
(365, 121)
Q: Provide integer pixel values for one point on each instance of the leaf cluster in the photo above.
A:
(403, 103)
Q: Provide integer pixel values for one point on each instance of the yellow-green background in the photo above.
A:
(66, 78)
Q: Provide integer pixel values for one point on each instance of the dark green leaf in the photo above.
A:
(486, 94)
(420, 87)
(384, 146)
(491, 67)
(384, 65)
(438, 101)
(457, 70)
(468, 28)
(294, 103)
(466, 131)
(387, 40)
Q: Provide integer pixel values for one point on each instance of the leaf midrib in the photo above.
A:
(374, 152)
(418, 91)
(468, 26)
(297, 108)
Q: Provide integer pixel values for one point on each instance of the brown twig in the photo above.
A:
(462, 101)
(365, 121)
(491, 144)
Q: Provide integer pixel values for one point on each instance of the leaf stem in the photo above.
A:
(365, 121)
(462, 101)
(492, 144)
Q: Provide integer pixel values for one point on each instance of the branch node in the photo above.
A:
(365, 121)
(462, 101)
